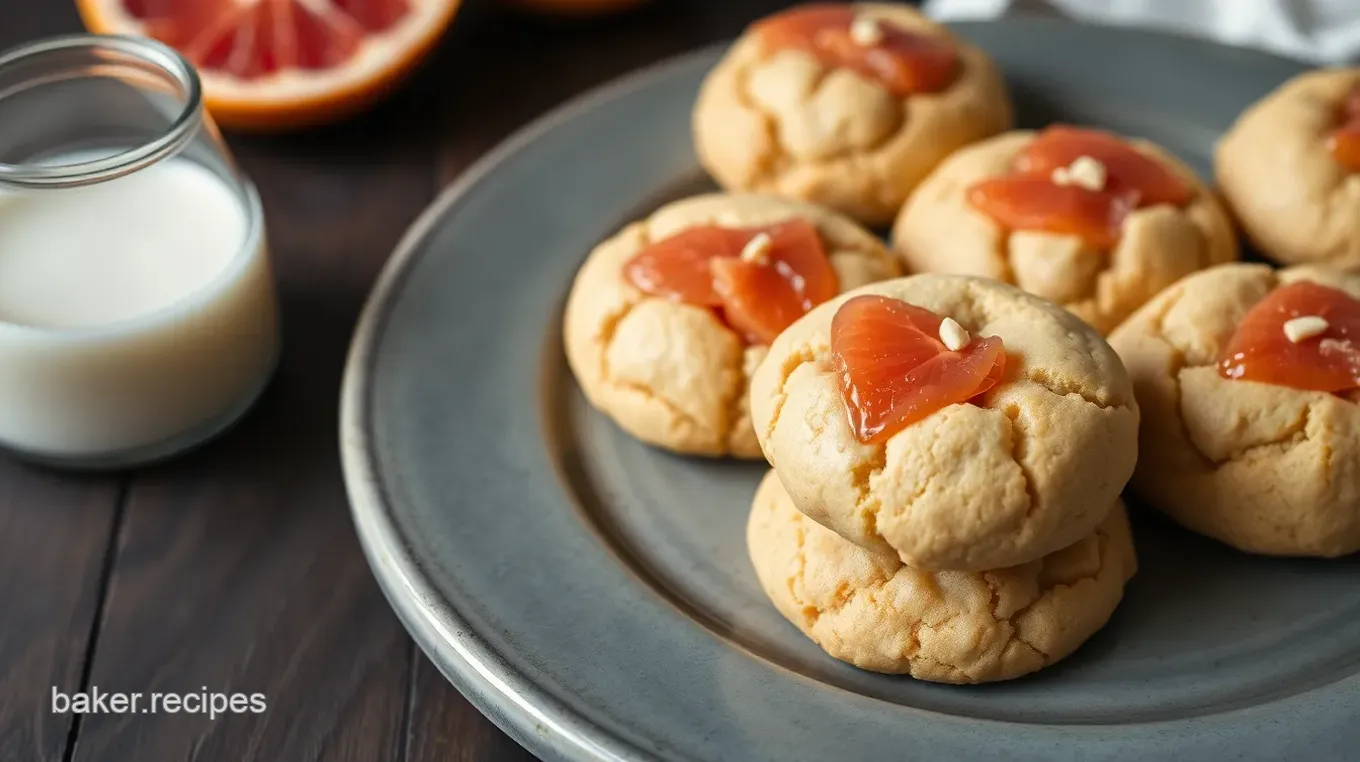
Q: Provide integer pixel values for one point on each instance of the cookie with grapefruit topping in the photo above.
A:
(668, 318)
(956, 423)
(1096, 222)
(1248, 379)
(848, 105)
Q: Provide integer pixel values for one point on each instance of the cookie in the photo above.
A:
(1023, 470)
(950, 627)
(779, 120)
(940, 230)
(1264, 468)
(1295, 201)
(673, 374)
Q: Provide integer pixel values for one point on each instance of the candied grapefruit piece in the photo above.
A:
(1329, 361)
(761, 298)
(903, 62)
(895, 370)
(1344, 141)
(1033, 202)
(678, 268)
(1128, 171)
(760, 293)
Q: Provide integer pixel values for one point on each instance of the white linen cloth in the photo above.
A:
(1318, 31)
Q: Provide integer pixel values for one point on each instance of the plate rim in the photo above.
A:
(381, 540)
(548, 727)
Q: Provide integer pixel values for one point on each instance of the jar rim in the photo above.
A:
(163, 59)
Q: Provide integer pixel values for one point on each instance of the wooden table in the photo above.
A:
(236, 568)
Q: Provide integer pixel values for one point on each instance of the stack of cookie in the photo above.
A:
(948, 450)
(948, 454)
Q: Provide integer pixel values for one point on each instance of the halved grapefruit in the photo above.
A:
(284, 63)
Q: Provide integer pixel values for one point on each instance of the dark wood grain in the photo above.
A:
(530, 64)
(237, 568)
(446, 728)
(55, 534)
(54, 538)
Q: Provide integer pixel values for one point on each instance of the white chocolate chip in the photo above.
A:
(866, 31)
(757, 250)
(1084, 171)
(954, 336)
(1304, 328)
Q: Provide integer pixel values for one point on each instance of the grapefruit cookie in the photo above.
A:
(957, 422)
(667, 319)
(845, 105)
(1246, 378)
(1290, 169)
(950, 627)
(1089, 220)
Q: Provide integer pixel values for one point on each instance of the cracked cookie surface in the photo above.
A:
(938, 230)
(1296, 203)
(1264, 468)
(952, 627)
(1029, 469)
(780, 122)
(673, 374)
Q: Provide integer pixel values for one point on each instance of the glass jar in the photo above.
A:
(138, 313)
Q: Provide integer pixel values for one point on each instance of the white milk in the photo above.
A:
(134, 313)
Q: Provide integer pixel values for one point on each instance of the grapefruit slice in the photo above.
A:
(1326, 361)
(1128, 171)
(903, 62)
(759, 290)
(1344, 141)
(895, 370)
(1034, 202)
(284, 63)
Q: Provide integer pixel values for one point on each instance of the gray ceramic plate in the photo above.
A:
(593, 596)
